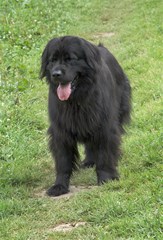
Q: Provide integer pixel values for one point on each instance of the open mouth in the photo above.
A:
(64, 90)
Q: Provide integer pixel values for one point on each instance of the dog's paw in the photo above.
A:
(104, 177)
(87, 164)
(57, 190)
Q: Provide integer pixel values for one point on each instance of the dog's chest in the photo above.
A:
(81, 122)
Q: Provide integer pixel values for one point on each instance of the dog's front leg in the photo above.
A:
(65, 156)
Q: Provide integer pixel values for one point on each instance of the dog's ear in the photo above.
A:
(93, 57)
(46, 55)
(44, 61)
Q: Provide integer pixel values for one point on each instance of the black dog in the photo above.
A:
(89, 101)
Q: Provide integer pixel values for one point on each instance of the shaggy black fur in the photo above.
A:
(89, 101)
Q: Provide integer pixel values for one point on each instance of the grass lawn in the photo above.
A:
(128, 209)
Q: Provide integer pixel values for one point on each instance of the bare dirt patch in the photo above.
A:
(104, 35)
(66, 227)
(73, 191)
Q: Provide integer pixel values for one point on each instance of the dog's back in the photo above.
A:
(122, 83)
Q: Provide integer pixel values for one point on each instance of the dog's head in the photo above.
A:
(69, 65)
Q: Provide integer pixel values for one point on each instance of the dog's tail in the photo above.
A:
(125, 105)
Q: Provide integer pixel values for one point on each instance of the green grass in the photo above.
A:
(128, 209)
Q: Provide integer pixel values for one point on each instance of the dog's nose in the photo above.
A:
(57, 73)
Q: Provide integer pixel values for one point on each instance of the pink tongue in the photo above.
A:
(64, 91)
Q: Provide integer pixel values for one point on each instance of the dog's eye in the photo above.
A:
(54, 59)
(75, 58)
(68, 59)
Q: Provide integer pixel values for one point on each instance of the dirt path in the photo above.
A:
(73, 191)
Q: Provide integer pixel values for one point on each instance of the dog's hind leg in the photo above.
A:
(89, 160)
(107, 153)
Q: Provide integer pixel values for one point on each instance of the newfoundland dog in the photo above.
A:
(89, 102)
